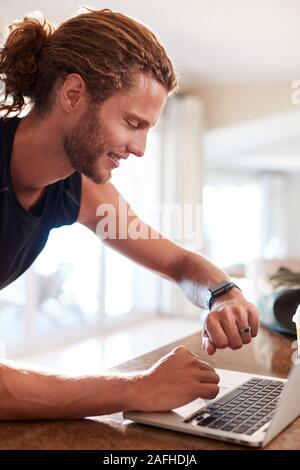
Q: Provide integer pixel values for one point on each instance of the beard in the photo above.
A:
(84, 148)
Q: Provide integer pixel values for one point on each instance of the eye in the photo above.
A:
(132, 125)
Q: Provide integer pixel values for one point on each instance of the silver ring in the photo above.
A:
(245, 330)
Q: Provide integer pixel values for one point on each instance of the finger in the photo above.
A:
(195, 355)
(253, 320)
(209, 377)
(215, 332)
(243, 322)
(207, 345)
(210, 348)
(245, 337)
(205, 366)
(202, 364)
(231, 330)
(208, 391)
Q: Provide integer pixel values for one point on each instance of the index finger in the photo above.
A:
(205, 366)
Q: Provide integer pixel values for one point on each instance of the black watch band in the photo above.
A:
(219, 289)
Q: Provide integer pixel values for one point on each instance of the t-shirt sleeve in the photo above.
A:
(68, 206)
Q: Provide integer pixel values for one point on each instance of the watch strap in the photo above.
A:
(218, 290)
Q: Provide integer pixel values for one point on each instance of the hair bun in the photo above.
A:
(19, 58)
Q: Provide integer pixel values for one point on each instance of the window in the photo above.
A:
(232, 218)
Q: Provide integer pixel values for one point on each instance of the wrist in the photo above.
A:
(224, 291)
(134, 392)
(115, 393)
(233, 294)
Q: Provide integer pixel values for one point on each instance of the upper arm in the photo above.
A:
(151, 249)
(93, 196)
(102, 204)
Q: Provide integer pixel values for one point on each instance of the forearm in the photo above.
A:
(175, 379)
(195, 274)
(30, 395)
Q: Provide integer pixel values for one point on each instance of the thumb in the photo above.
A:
(207, 345)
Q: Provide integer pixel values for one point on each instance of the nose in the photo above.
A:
(137, 147)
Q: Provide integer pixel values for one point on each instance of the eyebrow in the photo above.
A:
(141, 120)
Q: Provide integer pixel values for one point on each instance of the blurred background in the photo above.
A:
(228, 141)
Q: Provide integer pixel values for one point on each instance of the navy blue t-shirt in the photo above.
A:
(23, 233)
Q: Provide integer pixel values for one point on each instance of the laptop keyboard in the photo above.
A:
(243, 410)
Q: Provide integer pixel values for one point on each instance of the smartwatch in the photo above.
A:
(219, 289)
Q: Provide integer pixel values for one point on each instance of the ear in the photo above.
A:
(73, 95)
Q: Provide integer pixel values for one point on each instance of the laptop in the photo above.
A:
(249, 410)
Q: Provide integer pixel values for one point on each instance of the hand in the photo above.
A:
(175, 380)
(222, 324)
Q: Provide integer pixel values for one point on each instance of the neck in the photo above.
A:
(38, 158)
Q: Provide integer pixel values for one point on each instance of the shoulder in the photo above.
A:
(70, 188)
(64, 199)
(3, 126)
(8, 129)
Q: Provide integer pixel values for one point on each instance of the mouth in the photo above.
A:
(115, 159)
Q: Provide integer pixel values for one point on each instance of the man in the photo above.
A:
(97, 84)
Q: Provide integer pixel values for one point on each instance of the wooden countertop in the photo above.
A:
(268, 354)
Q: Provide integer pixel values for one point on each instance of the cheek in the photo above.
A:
(117, 136)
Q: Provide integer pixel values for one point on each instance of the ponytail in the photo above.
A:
(19, 62)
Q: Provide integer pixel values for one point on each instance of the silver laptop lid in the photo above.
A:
(288, 407)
